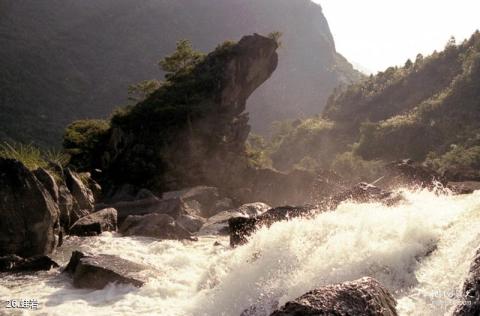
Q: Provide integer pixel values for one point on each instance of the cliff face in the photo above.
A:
(66, 60)
(193, 129)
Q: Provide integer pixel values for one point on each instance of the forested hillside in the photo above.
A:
(63, 60)
(428, 110)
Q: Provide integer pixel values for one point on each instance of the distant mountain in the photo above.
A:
(428, 110)
(63, 60)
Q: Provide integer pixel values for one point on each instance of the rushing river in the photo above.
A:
(280, 263)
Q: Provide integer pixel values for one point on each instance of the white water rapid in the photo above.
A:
(281, 263)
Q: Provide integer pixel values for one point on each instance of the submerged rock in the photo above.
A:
(154, 225)
(95, 223)
(362, 297)
(97, 271)
(16, 264)
(29, 217)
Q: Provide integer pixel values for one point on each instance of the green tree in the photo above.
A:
(142, 90)
(181, 61)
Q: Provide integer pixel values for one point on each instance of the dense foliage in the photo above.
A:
(428, 110)
(85, 140)
(33, 157)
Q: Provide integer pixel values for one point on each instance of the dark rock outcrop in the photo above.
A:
(95, 223)
(154, 225)
(218, 224)
(363, 193)
(29, 218)
(16, 264)
(173, 207)
(363, 297)
(470, 298)
(203, 200)
(464, 187)
(242, 227)
(410, 173)
(192, 223)
(97, 271)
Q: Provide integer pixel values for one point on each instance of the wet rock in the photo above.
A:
(29, 218)
(410, 173)
(192, 223)
(242, 227)
(95, 223)
(203, 200)
(154, 225)
(465, 187)
(172, 207)
(470, 298)
(362, 297)
(461, 174)
(364, 193)
(218, 224)
(97, 271)
(16, 264)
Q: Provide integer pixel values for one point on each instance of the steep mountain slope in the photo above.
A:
(67, 59)
(428, 110)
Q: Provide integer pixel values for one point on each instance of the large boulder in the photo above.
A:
(95, 223)
(362, 297)
(192, 223)
(218, 224)
(173, 207)
(97, 271)
(29, 218)
(203, 200)
(242, 227)
(470, 298)
(154, 225)
(16, 264)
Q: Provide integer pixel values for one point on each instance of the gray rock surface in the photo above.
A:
(362, 297)
(95, 223)
(154, 225)
(97, 271)
(29, 218)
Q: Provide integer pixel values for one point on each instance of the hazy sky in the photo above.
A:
(380, 33)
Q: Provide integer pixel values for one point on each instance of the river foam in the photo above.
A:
(420, 249)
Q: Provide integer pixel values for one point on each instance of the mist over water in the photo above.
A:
(282, 262)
